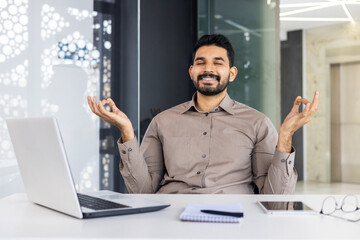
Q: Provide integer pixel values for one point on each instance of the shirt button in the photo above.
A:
(282, 160)
(203, 156)
(206, 114)
(204, 133)
(123, 151)
(130, 149)
(216, 109)
(198, 172)
(193, 188)
(289, 162)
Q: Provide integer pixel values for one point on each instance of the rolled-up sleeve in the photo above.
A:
(273, 170)
(142, 167)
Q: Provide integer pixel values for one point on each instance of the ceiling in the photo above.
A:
(305, 14)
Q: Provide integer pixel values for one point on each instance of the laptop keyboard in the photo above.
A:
(97, 203)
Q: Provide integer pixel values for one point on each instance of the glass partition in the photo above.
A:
(49, 64)
(252, 28)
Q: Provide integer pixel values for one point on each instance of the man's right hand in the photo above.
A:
(116, 117)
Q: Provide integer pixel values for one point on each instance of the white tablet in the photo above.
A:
(286, 207)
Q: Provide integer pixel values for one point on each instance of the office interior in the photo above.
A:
(55, 53)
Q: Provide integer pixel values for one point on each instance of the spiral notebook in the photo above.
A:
(193, 213)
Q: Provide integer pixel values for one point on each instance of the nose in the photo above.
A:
(209, 67)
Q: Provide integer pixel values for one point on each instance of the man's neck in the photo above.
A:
(207, 103)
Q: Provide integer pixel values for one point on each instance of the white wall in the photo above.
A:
(324, 46)
(37, 80)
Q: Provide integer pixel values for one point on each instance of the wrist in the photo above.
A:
(284, 141)
(127, 134)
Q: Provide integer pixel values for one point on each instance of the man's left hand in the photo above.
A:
(295, 120)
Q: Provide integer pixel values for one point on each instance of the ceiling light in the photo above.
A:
(308, 9)
(300, 5)
(347, 12)
(294, 5)
(309, 19)
(241, 27)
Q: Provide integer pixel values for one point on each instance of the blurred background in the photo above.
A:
(55, 53)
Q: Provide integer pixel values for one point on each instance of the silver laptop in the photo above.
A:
(47, 178)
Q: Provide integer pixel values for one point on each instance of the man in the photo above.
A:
(211, 144)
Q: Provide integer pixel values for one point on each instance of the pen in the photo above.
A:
(232, 214)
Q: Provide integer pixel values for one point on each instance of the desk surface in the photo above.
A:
(21, 218)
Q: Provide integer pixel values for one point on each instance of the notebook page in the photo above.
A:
(193, 213)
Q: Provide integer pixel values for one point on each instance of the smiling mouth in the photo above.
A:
(209, 78)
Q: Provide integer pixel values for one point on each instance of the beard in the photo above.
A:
(208, 90)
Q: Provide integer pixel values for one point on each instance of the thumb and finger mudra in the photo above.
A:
(113, 106)
(310, 107)
(99, 108)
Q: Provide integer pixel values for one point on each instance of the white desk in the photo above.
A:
(23, 219)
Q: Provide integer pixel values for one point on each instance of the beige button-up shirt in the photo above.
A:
(227, 150)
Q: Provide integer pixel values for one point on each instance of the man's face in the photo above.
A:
(211, 72)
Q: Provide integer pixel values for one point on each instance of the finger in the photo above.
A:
(306, 111)
(306, 108)
(304, 101)
(104, 102)
(112, 105)
(90, 103)
(94, 102)
(102, 109)
(315, 102)
(312, 108)
(296, 105)
(95, 106)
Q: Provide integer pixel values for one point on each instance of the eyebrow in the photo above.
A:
(199, 59)
(219, 58)
(202, 58)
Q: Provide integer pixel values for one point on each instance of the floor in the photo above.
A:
(326, 188)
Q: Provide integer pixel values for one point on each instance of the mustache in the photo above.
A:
(217, 77)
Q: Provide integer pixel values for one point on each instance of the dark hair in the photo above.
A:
(218, 40)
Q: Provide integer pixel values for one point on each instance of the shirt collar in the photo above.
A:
(226, 104)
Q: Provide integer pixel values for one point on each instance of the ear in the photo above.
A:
(233, 73)
(190, 69)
